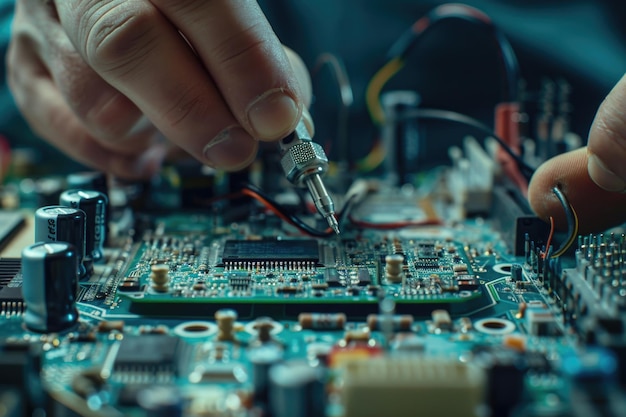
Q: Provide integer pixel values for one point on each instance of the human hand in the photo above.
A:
(103, 79)
(593, 178)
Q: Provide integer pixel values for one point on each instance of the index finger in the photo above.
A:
(134, 47)
(237, 45)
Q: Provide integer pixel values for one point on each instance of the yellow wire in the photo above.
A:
(372, 98)
(373, 159)
(572, 237)
(375, 86)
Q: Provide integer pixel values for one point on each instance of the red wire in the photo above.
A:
(550, 236)
(267, 204)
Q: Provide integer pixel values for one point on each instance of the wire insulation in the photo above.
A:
(572, 222)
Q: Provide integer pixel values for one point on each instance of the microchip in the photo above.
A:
(364, 277)
(11, 286)
(151, 353)
(331, 275)
(271, 251)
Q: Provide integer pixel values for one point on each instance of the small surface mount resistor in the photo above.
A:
(322, 321)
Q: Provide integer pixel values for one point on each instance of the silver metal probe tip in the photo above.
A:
(332, 222)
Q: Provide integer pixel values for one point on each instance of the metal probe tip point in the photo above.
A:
(332, 222)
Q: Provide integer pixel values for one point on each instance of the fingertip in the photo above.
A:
(597, 209)
(231, 150)
(274, 114)
(603, 176)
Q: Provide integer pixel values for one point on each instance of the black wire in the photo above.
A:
(510, 67)
(571, 220)
(452, 116)
(299, 223)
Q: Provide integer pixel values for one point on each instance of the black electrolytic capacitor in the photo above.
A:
(49, 286)
(93, 203)
(62, 224)
(296, 390)
(94, 181)
(262, 359)
(88, 180)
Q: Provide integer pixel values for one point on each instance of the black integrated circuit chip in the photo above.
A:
(153, 353)
(10, 290)
(302, 250)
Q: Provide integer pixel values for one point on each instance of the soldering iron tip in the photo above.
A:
(332, 222)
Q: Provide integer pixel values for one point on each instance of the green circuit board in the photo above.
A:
(152, 316)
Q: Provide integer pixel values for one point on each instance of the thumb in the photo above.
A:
(607, 141)
(597, 209)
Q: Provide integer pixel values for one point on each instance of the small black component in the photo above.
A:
(127, 396)
(331, 275)
(373, 289)
(426, 263)
(20, 368)
(288, 289)
(10, 291)
(427, 250)
(152, 353)
(467, 283)
(538, 362)
(239, 281)
(129, 285)
(364, 277)
(271, 250)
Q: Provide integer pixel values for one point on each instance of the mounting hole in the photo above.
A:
(504, 269)
(494, 326)
(195, 329)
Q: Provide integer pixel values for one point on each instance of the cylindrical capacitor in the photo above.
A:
(393, 268)
(297, 390)
(516, 272)
(95, 181)
(49, 286)
(93, 203)
(262, 359)
(401, 135)
(62, 224)
(88, 180)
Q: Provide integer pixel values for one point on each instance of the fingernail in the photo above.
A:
(602, 176)
(273, 115)
(232, 149)
(308, 121)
